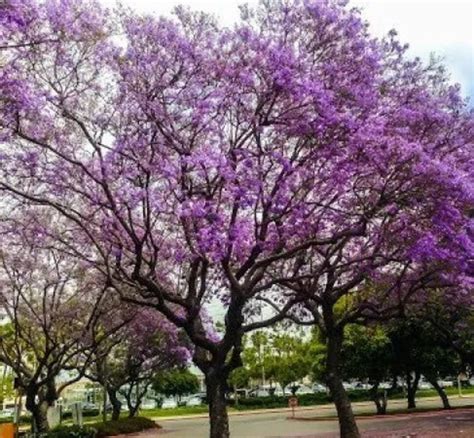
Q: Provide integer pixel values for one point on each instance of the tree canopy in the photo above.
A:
(288, 163)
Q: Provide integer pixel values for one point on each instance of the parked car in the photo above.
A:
(360, 385)
(169, 403)
(303, 389)
(7, 413)
(86, 406)
(259, 392)
(148, 404)
(278, 392)
(445, 383)
(318, 387)
(348, 386)
(300, 389)
(194, 401)
(422, 384)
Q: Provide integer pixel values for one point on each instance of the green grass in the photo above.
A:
(452, 391)
(183, 410)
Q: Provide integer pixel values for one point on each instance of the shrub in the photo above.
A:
(72, 432)
(124, 425)
(87, 413)
(280, 401)
(24, 419)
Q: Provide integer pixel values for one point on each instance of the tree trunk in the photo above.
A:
(132, 411)
(347, 424)
(139, 394)
(115, 402)
(380, 399)
(441, 392)
(412, 387)
(39, 411)
(218, 418)
(133, 408)
(394, 383)
(129, 395)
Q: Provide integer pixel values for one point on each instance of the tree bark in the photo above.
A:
(133, 392)
(133, 408)
(115, 402)
(442, 394)
(380, 399)
(347, 424)
(39, 411)
(218, 418)
(412, 387)
(132, 411)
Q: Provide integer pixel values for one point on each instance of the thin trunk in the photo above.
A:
(139, 394)
(394, 383)
(380, 399)
(218, 418)
(104, 403)
(347, 424)
(441, 393)
(115, 402)
(133, 407)
(412, 387)
(132, 411)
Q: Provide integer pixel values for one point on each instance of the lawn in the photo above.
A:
(183, 410)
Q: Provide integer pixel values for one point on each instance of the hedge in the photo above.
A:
(101, 430)
(87, 413)
(72, 432)
(124, 425)
(319, 398)
(280, 401)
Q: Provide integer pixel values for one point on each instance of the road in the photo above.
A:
(309, 423)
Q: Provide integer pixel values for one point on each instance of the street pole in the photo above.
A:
(459, 385)
(104, 407)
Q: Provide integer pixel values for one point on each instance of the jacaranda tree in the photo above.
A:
(53, 312)
(192, 163)
(128, 361)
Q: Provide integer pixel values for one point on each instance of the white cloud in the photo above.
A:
(443, 27)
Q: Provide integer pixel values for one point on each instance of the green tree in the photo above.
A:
(367, 354)
(175, 383)
(239, 378)
(419, 351)
(7, 391)
(317, 351)
(291, 359)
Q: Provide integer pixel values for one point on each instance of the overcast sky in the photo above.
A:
(444, 27)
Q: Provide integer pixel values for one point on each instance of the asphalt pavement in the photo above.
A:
(313, 422)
